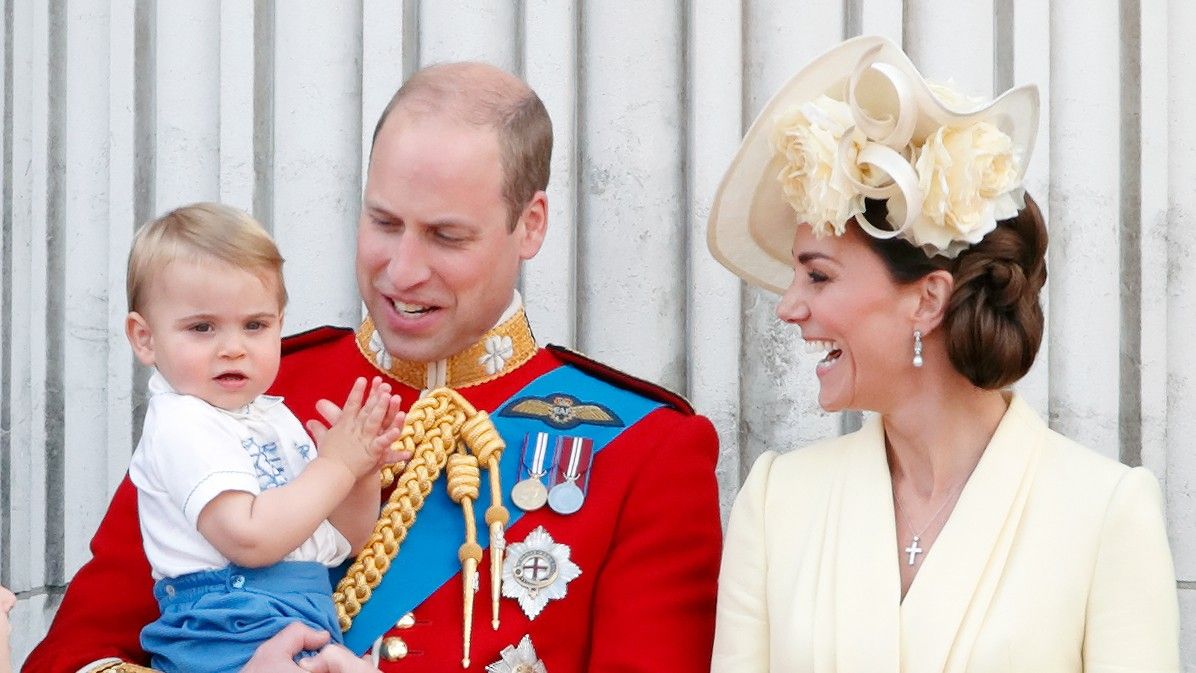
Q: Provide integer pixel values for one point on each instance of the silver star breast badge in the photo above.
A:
(536, 571)
(521, 659)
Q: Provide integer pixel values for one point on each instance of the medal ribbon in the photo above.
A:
(536, 469)
(570, 470)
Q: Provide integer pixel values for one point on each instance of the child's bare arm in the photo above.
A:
(258, 530)
(356, 515)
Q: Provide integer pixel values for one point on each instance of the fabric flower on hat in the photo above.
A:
(968, 179)
(945, 191)
(808, 137)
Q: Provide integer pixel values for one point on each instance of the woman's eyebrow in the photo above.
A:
(807, 257)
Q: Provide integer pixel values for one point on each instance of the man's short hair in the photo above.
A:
(201, 232)
(482, 95)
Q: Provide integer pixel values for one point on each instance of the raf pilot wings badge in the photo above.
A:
(563, 412)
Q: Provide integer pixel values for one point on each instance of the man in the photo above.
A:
(613, 541)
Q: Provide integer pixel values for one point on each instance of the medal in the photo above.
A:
(573, 454)
(518, 659)
(537, 570)
(530, 493)
(565, 498)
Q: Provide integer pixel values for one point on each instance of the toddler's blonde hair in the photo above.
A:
(202, 232)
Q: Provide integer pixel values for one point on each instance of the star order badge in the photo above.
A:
(521, 659)
(536, 571)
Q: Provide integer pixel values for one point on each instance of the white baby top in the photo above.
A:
(191, 451)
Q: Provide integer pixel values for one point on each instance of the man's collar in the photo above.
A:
(504, 348)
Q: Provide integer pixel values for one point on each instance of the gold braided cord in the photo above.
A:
(464, 482)
(121, 667)
(431, 433)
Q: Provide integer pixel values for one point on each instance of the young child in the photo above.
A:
(241, 518)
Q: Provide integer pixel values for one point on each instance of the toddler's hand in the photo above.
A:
(386, 439)
(7, 600)
(360, 432)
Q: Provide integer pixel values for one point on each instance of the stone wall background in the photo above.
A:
(116, 110)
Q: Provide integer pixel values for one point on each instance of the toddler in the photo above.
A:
(240, 516)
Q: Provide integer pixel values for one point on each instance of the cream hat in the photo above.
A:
(861, 122)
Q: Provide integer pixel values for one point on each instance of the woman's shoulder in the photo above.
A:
(823, 454)
(1084, 469)
(1088, 485)
(812, 464)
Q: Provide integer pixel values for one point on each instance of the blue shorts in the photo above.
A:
(214, 620)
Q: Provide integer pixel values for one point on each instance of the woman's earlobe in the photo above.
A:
(934, 297)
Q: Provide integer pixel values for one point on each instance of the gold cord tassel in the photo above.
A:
(464, 482)
(488, 447)
(431, 434)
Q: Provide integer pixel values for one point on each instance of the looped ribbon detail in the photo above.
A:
(887, 141)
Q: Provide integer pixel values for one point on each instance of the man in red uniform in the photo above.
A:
(613, 543)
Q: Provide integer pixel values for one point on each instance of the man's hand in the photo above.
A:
(277, 655)
(336, 659)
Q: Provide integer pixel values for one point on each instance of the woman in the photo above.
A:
(954, 531)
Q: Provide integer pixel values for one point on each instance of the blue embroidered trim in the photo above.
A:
(267, 463)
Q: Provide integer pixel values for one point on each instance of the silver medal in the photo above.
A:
(565, 498)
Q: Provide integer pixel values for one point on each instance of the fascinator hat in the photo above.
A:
(860, 122)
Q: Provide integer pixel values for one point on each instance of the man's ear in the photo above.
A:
(532, 226)
(140, 338)
(934, 297)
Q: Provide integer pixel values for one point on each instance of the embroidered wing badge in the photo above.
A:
(562, 411)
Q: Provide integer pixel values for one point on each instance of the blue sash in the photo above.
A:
(427, 559)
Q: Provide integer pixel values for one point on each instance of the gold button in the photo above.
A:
(392, 649)
(406, 621)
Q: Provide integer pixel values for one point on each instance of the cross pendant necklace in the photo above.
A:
(914, 548)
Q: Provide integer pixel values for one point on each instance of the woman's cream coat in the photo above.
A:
(1055, 559)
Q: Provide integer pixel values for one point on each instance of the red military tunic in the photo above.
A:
(647, 539)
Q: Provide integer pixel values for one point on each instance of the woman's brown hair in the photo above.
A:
(994, 321)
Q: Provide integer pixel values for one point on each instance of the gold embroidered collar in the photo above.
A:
(503, 349)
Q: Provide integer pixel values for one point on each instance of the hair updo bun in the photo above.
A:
(994, 320)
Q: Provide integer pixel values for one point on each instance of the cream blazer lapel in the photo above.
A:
(861, 584)
(947, 603)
